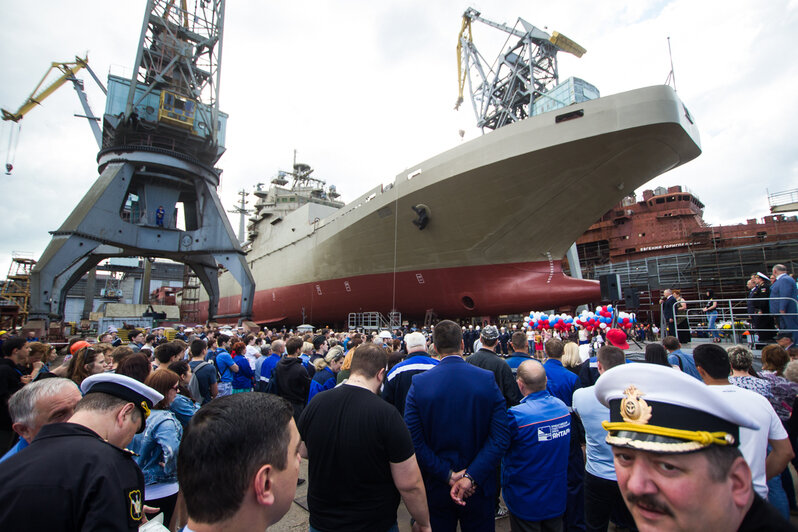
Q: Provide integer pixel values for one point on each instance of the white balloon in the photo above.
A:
(603, 325)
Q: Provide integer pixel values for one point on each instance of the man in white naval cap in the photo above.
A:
(81, 467)
(675, 444)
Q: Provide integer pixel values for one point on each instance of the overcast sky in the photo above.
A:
(364, 90)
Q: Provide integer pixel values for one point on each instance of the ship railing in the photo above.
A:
(784, 198)
(734, 322)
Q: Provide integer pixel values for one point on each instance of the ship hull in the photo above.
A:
(503, 210)
(474, 290)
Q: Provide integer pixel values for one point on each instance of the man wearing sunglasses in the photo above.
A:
(82, 467)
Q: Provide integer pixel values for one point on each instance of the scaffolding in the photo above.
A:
(15, 292)
(373, 321)
(189, 301)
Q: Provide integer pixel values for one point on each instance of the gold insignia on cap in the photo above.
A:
(633, 408)
(145, 409)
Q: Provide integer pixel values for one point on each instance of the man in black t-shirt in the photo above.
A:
(361, 457)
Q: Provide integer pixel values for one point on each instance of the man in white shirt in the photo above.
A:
(713, 365)
(603, 499)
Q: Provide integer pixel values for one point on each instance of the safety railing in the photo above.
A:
(734, 321)
(373, 321)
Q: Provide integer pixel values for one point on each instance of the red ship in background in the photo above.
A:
(662, 241)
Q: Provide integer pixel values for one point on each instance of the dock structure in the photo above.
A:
(786, 201)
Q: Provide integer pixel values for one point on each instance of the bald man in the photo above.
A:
(540, 432)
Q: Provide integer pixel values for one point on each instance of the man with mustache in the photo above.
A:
(675, 445)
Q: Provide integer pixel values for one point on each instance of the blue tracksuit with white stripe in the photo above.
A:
(398, 381)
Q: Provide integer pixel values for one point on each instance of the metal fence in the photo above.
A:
(373, 321)
(734, 323)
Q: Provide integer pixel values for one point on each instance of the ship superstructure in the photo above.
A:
(277, 201)
(671, 220)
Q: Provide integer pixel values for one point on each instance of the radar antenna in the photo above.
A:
(504, 92)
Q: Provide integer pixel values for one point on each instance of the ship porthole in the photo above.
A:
(468, 303)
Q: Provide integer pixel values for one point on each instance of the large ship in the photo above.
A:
(479, 230)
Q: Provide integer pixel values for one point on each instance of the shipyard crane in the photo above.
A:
(505, 91)
(162, 135)
(68, 72)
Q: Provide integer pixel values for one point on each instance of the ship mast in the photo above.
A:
(242, 211)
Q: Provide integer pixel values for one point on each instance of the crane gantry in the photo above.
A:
(162, 135)
(504, 92)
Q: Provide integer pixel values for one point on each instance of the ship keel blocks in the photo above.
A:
(131, 211)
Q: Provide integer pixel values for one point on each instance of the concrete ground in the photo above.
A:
(297, 517)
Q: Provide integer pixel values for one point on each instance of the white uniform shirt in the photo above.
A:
(754, 443)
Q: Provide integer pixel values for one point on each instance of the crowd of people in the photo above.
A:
(771, 309)
(465, 424)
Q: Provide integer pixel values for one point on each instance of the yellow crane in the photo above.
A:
(67, 70)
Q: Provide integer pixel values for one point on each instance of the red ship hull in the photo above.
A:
(465, 291)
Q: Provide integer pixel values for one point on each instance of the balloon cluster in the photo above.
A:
(542, 321)
(601, 318)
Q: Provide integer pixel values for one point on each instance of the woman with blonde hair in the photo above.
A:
(570, 357)
(327, 369)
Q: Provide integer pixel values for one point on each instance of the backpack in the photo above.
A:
(193, 384)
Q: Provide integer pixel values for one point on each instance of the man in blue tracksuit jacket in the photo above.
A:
(535, 467)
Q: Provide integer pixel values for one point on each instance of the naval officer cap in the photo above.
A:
(138, 393)
(660, 409)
